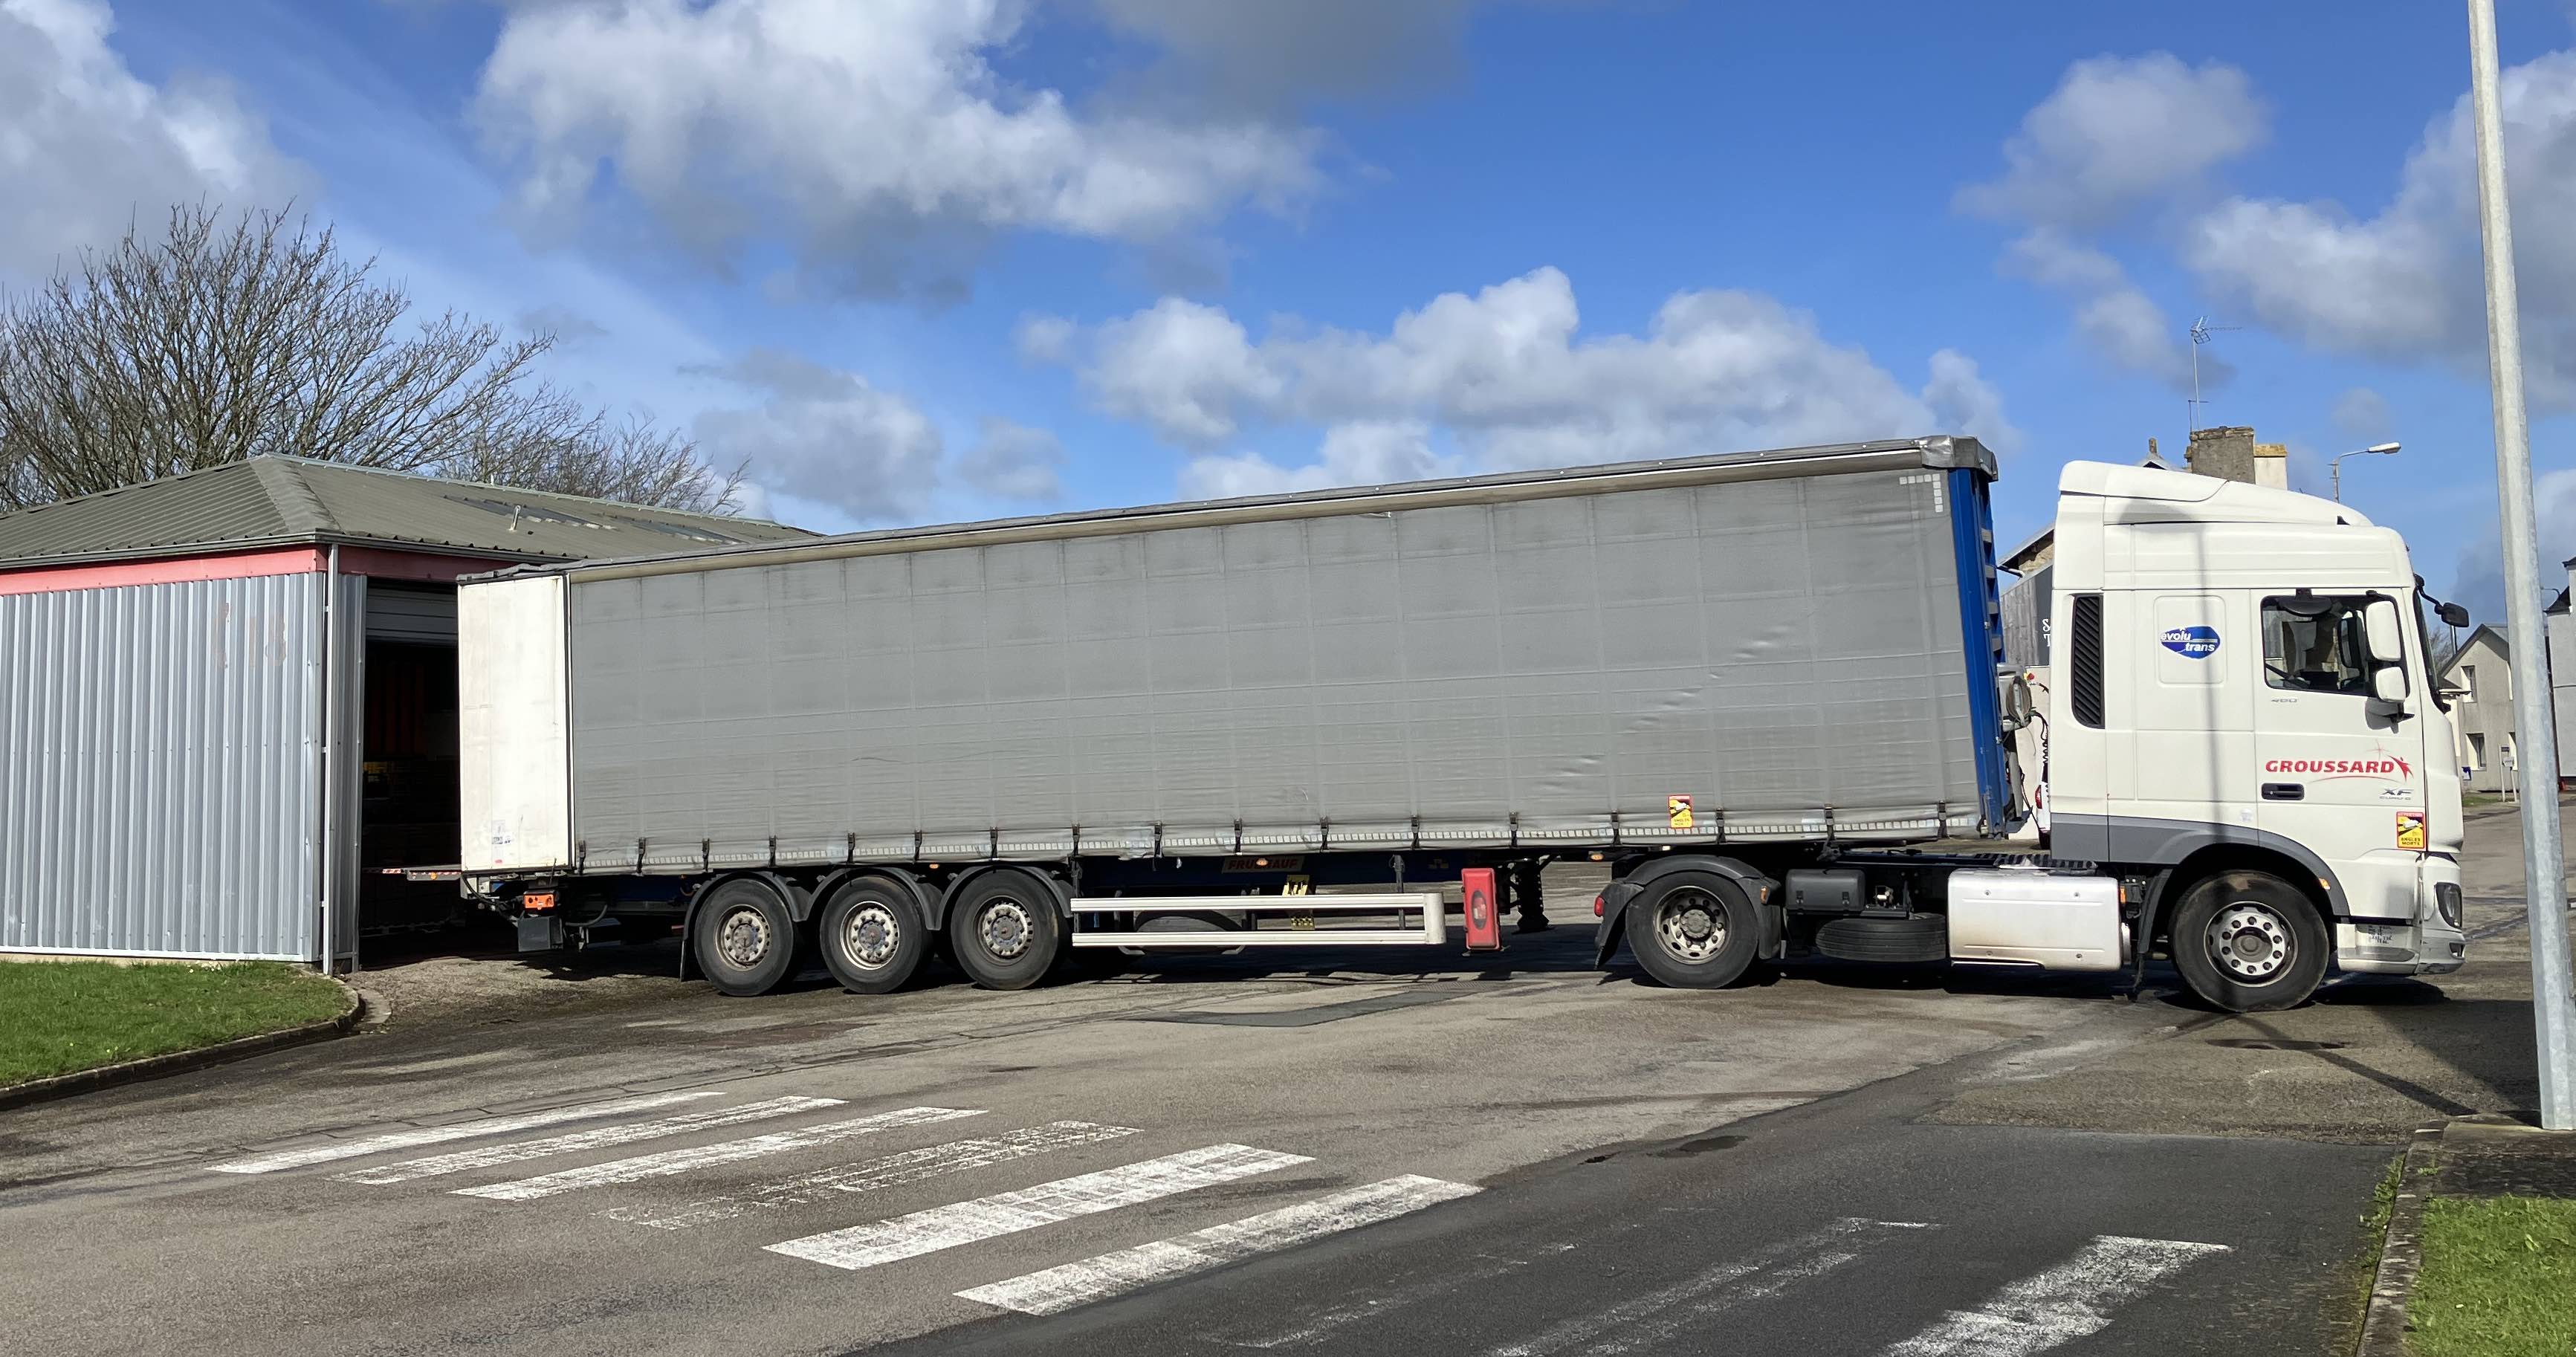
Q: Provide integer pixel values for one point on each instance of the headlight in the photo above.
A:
(2446, 901)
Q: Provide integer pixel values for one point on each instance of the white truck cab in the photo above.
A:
(2239, 698)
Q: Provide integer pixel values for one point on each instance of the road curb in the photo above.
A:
(178, 1062)
(2383, 1326)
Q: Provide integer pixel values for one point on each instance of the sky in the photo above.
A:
(928, 260)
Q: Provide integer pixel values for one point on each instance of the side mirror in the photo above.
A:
(2452, 614)
(2384, 633)
(2388, 684)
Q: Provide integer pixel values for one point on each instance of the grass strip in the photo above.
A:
(60, 1016)
(2499, 1279)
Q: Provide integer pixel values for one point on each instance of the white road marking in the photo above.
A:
(669, 1162)
(1707, 1292)
(891, 1170)
(461, 1130)
(966, 1222)
(1316, 1328)
(2067, 1302)
(596, 1138)
(1058, 1289)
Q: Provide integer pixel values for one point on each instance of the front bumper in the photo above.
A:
(2400, 949)
(2434, 944)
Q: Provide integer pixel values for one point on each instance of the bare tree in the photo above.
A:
(217, 343)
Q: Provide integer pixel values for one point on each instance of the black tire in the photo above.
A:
(871, 935)
(743, 938)
(2249, 942)
(1004, 930)
(1694, 930)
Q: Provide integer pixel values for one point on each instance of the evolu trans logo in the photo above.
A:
(2197, 643)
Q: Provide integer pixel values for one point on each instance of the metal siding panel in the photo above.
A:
(1776, 649)
(157, 790)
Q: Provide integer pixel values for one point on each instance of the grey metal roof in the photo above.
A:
(269, 501)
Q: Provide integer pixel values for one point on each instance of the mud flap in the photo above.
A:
(1613, 928)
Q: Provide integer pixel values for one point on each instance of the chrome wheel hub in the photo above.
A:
(1004, 929)
(870, 936)
(742, 937)
(1691, 924)
(2250, 942)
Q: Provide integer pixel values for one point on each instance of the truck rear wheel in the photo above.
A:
(1004, 930)
(743, 938)
(2249, 942)
(871, 936)
(1694, 930)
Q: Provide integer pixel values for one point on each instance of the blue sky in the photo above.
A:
(930, 259)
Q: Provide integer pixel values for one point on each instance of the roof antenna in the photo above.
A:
(2201, 330)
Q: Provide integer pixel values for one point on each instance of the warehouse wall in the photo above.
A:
(160, 768)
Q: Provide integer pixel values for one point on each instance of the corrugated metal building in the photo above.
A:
(227, 698)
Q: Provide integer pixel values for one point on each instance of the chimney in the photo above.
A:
(2226, 452)
(2272, 465)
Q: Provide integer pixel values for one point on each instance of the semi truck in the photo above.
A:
(1766, 690)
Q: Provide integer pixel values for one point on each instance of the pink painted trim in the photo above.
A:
(372, 562)
(378, 563)
(172, 570)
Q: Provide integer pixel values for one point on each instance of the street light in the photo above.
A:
(2374, 450)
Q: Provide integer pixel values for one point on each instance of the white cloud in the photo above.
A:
(1186, 368)
(1270, 53)
(1962, 398)
(2115, 318)
(1375, 452)
(826, 435)
(880, 134)
(1044, 339)
(2119, 132)
(1503, 378)
(2407, 283)
(2362, 413)
(2480, 581)
(1014, 461)
(86, 149)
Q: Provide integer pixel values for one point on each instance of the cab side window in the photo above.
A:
(2315, 645)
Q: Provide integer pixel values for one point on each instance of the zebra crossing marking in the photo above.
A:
(1058, 1289)
(893, 1170)
(967, 1222)
(417, 1136)
(1706, 1292)
(597, 1138)
(669, 1162)
(2074, 1299)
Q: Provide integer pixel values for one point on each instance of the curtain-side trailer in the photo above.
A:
(1762, 687)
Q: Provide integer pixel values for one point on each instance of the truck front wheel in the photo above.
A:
(2249, 942)
(871, 936)
(1694, 930)
(1004, 930)
(744, 938)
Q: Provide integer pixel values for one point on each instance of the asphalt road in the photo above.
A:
(1490, 1155)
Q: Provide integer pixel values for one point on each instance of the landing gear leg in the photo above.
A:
(1528, 894)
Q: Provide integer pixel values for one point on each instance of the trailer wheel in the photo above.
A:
(1004, 931)
(744, 938)
(2249, 942)
(871, 936)
(1694, 930)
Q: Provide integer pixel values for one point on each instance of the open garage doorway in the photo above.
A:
(407, 814)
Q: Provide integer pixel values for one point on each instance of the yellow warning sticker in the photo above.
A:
(2410, 829)
(1678, 808)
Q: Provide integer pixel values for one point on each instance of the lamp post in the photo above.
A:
(2553, 987)
(2374, 450)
